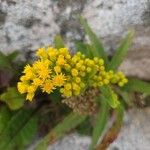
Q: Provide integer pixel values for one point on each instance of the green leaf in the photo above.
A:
(101, 121)
(58, 42)
(121, 52)
(5, 116)
(19, 131)
(4, 62)
(12, 56)
(13, 98)
(84, 49)
(85, 128)
(110, 96)
(70, 122)
(24, 136)
(136, 85)
(97, 47)
(113, 131)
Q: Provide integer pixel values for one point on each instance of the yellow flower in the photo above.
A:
(48, 86)
(59, 80)
(42, 53)
(63, 51)
(78, 79)
(27, 68)
(67, 86)
(52, 53)
(22, 88)
(30, 96)
(44, 73)
(31, 89)
(57, 69)
(74, 72)
(61, 60)
(67, 93)
(37, 82)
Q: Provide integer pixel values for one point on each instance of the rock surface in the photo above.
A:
(27, 25)
(134, 135)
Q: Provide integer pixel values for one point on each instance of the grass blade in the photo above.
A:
(70, 122)
(98, 49)
(121, 52)
(136, 85)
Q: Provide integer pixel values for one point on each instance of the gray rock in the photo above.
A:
(134, 135)
(27, 25)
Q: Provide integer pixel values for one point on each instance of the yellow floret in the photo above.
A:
(61, 60)
(59, 80)
(57, 69)
(30, 96)
(37, 82)
(22, 87)
(68, 86)
(31, 89)
(101, 62)
(74, 72)
(78, 79)
(48, 86)
(42, 53)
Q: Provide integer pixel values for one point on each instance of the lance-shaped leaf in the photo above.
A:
(136, 85)
(19, 131)
(84, 49)
(113, 131)
(58, 42)
(101, 121)
(70, 122)
(121, 52)
(13, 98)
(97, 47)
(5, 116)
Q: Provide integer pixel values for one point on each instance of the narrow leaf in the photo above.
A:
(70, 122)
(5, 116)
(102, 118)
(136, 85)
(98, 49)
(58, 42)
(24, 136)
(113, 132)
(121, 52)
(84, 48)
(17, 128)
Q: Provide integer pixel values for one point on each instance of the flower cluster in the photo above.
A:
(72, 75)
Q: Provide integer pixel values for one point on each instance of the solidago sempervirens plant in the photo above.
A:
(88, 82)
(73, 75)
